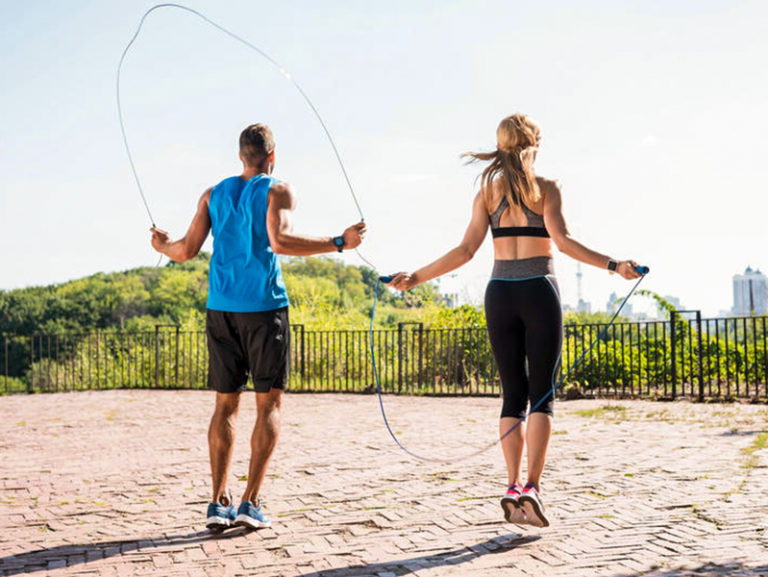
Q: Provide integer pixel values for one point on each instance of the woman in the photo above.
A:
(522, 303)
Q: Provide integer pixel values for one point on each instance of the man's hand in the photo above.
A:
(353, 235)
(160, 240)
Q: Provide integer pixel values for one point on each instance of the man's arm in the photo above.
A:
(283, 240)
(189, 245)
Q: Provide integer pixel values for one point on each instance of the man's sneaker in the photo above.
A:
(219, 516)
(531, 503)
(513, 512)
(252, 516)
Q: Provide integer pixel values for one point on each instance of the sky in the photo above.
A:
(653, 121)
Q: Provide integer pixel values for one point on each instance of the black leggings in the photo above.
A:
(525, 322)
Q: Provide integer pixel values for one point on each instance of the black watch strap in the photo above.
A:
(612, 265)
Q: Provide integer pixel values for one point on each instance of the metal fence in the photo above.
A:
(686, 356)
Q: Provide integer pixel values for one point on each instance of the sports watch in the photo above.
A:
(339, 242)
(612, 265)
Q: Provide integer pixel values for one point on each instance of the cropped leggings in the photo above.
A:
(525, 326)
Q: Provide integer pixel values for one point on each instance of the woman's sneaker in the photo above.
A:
(513, 513)
(533, 507)
(251, 516)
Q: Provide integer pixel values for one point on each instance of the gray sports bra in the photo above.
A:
(535, 223)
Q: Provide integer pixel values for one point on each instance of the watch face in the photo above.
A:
(338, 241)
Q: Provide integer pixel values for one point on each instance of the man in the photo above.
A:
(247, 318)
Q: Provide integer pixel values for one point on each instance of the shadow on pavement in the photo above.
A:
(414, 564)
(734, 569)
(69, 555)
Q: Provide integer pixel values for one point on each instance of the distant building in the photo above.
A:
(613, 304)
(674, 301)
(750, 293)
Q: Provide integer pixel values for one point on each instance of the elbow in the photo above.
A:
(467, 253)
(279, 247)
(184, 255)
(562, 243)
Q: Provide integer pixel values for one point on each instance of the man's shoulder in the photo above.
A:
(281, 195)
(280, 188)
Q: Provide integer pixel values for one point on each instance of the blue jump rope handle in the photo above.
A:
(386, 279)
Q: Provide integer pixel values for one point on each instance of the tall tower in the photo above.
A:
(582, 305)
(578, 282)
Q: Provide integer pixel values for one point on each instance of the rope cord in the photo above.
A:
(266, 56)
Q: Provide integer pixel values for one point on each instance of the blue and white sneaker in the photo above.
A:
(252, 516)
(219, 516)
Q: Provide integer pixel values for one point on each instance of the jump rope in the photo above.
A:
(643, 270)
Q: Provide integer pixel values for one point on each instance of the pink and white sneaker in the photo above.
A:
(533, 507)
(513, 512)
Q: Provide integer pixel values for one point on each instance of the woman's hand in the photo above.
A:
(403, 281)
(627, 269)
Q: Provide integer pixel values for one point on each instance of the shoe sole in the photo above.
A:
(250, 522)
(514, 512)
(510, 507)
(217, 523)
(533, 511)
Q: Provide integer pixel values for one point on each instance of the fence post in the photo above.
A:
(176, 371)
(420, 383)
(303, 354)
(30, 382)
(672, 353)
(157, 355)
(701, 363)
(399, 357)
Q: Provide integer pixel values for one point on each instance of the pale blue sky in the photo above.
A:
(653, 120)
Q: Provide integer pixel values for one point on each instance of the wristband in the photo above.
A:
(339, 242)
(612, 265)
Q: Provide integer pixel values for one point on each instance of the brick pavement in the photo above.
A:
(115, 483)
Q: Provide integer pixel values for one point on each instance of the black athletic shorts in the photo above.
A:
(240, 344)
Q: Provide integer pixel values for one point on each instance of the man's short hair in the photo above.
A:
(256, 142)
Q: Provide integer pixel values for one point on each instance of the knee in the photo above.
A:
(269, 414)
(268, 408)
(226, 409)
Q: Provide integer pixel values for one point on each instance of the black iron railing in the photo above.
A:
(686, 356)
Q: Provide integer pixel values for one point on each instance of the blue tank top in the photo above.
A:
(244, 274)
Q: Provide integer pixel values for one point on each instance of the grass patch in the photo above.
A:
(760, 442)
(604, 411)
